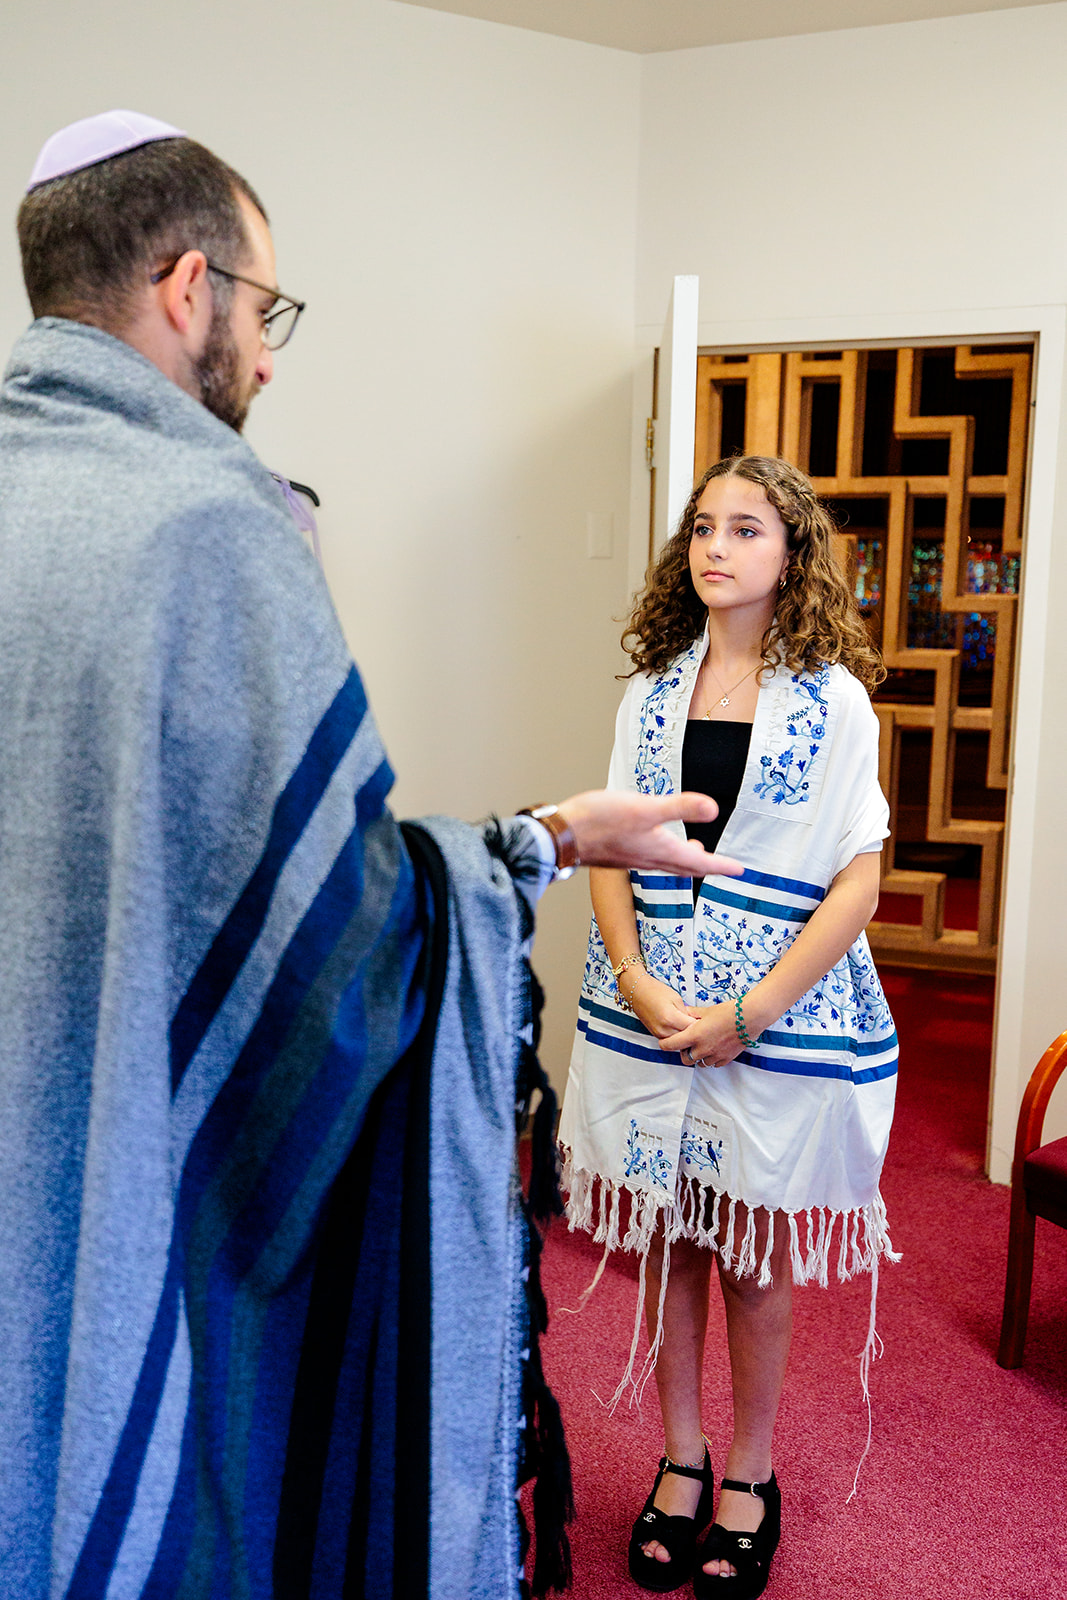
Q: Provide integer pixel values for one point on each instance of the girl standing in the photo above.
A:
(734, 1067)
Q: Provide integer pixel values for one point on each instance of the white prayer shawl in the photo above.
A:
(799, 1122)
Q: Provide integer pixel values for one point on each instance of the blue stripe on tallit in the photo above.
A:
(92, 1573)
(323, 1098)
(173, 1547)
(653, 880)
(766, 880)
(247, 1233)
(626, 1047)
(606, 1014)
(782, 1064)
(664, 908)
(756, 908)
(820, 1069)
(840, 1044)
(294, 807)
(759, 880)
(813, 1041)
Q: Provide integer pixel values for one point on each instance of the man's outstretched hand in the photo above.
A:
(616, 829)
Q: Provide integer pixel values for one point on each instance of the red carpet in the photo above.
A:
(964, 1493)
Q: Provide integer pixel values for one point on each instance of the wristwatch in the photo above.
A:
(566, 845)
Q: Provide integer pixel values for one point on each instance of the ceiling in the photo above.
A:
(645, 26)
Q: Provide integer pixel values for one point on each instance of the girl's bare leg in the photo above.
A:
(759, 1325)
(679, 1369)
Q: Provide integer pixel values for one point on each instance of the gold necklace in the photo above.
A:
(725, 699)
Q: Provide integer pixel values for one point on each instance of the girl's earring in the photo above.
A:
(781, 580)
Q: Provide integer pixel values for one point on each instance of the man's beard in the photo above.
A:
(216, 372)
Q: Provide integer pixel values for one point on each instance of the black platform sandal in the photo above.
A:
(678, 1535)
(748, 1553)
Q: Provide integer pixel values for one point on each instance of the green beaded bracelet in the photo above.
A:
(739, 1023)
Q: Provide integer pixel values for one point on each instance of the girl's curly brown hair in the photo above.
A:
(816, 619)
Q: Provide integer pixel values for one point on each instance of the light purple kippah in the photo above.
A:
(95, 139)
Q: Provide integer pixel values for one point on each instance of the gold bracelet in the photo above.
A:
(634, 959)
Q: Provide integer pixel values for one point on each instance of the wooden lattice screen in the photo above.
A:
(923, 454)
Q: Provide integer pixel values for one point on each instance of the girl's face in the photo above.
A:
(738, 550)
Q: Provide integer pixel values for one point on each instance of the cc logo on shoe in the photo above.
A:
(650, 1516)
(744, 1544)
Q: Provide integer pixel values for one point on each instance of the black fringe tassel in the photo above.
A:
(544, 1456)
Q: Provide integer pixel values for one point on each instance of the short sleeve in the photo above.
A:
(866, 817)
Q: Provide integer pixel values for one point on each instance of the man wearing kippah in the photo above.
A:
(252, 1034)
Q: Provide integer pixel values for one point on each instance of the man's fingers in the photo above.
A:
(692, 859)
(691, 806)
(629, 830)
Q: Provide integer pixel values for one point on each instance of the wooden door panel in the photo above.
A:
(922, 451)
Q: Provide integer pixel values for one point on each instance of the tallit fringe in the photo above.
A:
(695, 1212)
(594, 1205)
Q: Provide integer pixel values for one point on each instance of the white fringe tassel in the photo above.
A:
(594, 1205)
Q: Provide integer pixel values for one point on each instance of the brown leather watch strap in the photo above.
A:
(566, 845)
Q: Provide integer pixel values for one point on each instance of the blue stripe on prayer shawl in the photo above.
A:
(326, 1096)
(759, 880)
(757, 908)
(798, 1069)
(173, 1549)
(819, 1069)
(96, 1559)
(815, 1041)
(267, 1444)
(765, 880)
(625, 1048)
(294, 807)
(325, 922)
(664, 908)
(316, 936)
(605, 1013)
(220, 1297)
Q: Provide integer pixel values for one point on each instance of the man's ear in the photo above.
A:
(185, 293)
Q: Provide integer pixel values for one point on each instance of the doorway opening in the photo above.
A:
(922, 453)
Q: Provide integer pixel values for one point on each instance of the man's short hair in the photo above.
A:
(90, 238)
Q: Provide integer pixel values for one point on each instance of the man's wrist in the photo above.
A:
(563, 840)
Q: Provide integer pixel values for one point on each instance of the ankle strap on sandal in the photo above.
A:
(685, 1469)
(758, 1489)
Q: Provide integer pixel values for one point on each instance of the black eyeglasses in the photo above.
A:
(278, 326)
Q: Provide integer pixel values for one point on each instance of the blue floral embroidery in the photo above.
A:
(651, 775)
(659, 1168)
(635, 1156)
(731, 952)
(871, 1011)
(786, 776)
(704, 1154)
(781, 782)
(647, 1158)
(598, 979)
(663, 952)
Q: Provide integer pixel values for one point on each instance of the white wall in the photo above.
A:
(895, 182)
(456, 201)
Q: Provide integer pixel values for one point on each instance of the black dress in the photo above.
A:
(713, 762)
